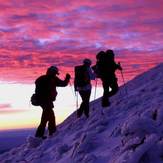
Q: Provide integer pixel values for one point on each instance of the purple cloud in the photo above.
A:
(36, 34)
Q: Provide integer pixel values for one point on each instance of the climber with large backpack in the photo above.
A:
(105, 68)
(45, 94)
(82, 84)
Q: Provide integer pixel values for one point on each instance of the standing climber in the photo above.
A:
(46, 93)
(82, 83)
(105, 68)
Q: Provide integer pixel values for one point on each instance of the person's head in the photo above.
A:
(52, 70)
(87, 62)
(100, 55)
(110, 54)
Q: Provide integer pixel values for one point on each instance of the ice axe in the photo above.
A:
(124, 83)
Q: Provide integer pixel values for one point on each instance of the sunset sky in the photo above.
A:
(37, 34)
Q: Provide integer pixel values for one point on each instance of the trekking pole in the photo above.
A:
(76, 93)
(95, 89)
(73, 92)
(124, 83)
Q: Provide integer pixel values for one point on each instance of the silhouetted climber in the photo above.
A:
(46, 93)
(100, 57)
(82, 83)
(105, 69)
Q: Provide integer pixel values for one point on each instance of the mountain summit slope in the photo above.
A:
(129, 131)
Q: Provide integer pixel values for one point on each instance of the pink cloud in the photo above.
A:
(7, 108)
(11, 111)
(37, 34)
(4, 106)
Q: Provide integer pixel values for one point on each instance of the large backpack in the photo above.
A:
(105, 66)
(40, 86)
(81, 77)
(43, 91)
(35, 100)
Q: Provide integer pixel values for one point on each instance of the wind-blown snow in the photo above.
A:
(129, 131)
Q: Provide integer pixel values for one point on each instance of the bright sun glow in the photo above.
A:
(17, 112)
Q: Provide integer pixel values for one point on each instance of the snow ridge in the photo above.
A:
(129, 131)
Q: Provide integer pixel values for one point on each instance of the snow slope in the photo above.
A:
(13, 138)
(129, 131)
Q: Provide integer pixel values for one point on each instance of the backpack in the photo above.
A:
(43, 91)
(81, 77)
(35, 100)
(105, 66)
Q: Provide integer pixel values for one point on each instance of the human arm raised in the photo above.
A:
(63, 83)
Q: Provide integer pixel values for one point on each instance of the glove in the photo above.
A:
(68, 76)
(120, 67)
(119, 64)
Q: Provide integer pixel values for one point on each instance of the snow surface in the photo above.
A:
(129, 131)
(12, 138)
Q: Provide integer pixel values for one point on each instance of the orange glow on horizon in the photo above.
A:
(16, 111)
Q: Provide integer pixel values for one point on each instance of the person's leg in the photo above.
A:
(81, 108)
(41, 128)
(52, 123)
(105, 85)
(114, 87)
(86, 102)
(105, 99)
